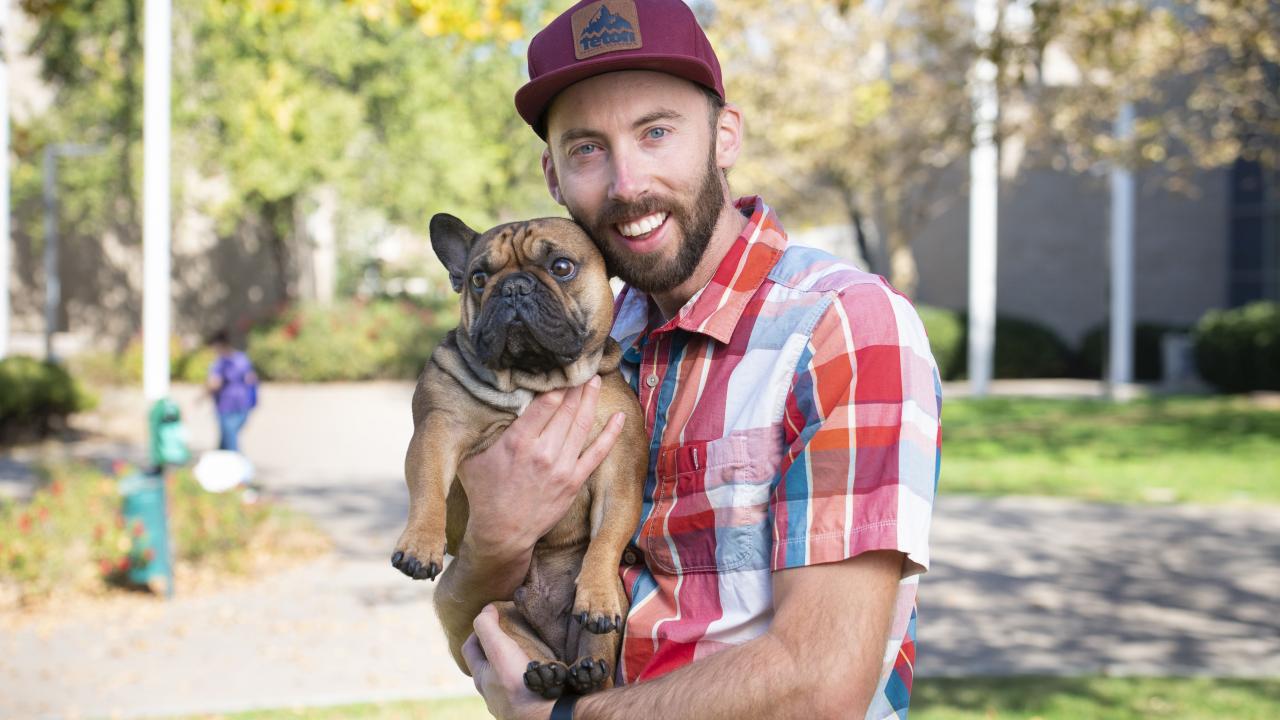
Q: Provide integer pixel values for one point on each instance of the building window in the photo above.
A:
(1254, 270)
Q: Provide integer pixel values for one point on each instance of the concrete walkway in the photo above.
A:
(1019, 585)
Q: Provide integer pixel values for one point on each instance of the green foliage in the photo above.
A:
(125, 367)
(1148, 361)
(1238, 350)
(946, 338)
(1203, 450)
(350, 341)
(35, 394)
(952, 698)
(1024, 348)
(1096, 698)
(403, 107)
(72, 537)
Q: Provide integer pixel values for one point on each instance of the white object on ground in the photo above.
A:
(221, 470)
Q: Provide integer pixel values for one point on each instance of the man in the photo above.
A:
(792, 402)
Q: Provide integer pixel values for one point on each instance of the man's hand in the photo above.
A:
(517, 490)
(521, 486)
(497, 665)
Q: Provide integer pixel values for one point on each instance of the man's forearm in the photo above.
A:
(760, 679)
(821, 657)
(472, 580)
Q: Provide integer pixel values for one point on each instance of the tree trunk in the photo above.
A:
(904, 274)
(858, 221)
(277, 229)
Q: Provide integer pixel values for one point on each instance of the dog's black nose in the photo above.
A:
(517, 284)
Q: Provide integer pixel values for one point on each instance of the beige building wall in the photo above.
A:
(1053, 251)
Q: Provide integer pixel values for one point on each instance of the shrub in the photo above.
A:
(946, 338)
(125, 367)
(350, 341)
(71, 536)
(1024, 348)
(1238, 350)
(35, 395)
(1148, 359)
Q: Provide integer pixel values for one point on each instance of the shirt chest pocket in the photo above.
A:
(710, 506)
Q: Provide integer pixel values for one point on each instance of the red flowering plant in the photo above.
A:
(63, 537)
(70, 536)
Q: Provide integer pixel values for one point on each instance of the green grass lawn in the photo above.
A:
(1023, 698)
(1184, 449)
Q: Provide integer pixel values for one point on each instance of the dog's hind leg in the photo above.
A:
(545, 675)
(593, 666)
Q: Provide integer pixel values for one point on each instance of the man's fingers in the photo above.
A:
(473, 655)
(561, 423)
(538, 413)
(598, 450)
(584, 418)
(499, 649)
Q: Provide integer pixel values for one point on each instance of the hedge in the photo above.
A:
(350, 341)
(35, 395)
(1148, 358)
(1024, 348)
(1238, 350)
(125, 367)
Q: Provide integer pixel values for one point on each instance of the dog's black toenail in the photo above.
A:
(397, 557)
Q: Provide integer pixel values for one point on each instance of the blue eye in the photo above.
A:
(585, 149)
(656, 133)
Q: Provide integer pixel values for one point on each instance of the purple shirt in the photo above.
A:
(234, 369)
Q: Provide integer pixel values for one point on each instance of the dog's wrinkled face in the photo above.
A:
(535, 296)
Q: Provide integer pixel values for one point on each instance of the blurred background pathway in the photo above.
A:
(1019, 585)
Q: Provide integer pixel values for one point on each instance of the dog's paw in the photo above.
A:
(597, 612)
(419, 554)
(588, 675)
(546, 679)
(418, 569)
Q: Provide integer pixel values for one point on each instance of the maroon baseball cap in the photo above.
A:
(599, 36)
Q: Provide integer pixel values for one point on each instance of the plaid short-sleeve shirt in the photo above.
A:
(793, 406)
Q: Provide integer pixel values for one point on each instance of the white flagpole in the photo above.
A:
(155, 226)
(1120, 370)
(983, 206)
(6, 242)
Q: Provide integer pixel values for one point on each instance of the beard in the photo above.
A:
(696, 222)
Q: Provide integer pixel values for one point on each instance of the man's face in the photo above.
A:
(632, 155)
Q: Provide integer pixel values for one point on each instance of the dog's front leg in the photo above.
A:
(429, 468)
(600, 604)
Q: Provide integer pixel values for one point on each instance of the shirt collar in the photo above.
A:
(716, 308)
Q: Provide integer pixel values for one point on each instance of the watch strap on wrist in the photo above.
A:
(563, 709)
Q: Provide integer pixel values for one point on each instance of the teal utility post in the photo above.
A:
(144, 496)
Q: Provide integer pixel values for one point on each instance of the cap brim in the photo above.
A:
(535, 97)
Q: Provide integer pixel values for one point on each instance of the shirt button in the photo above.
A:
(651, 381)
(629, 557)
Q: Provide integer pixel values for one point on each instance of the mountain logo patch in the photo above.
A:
(606, 26)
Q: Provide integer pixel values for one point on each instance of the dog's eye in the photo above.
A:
(562, 268)
(478, 279)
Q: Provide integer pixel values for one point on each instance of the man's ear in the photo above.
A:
(452, 240)
(728, 137)
(549, 172)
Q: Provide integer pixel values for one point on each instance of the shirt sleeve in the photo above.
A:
(863, 436)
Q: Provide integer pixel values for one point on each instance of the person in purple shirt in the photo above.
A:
(234, 386)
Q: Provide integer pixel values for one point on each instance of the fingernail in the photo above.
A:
(594, 381)
(620, 418)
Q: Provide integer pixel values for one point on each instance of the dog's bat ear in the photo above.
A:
(452, 239)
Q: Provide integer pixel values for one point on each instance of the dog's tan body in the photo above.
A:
(567, 615)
